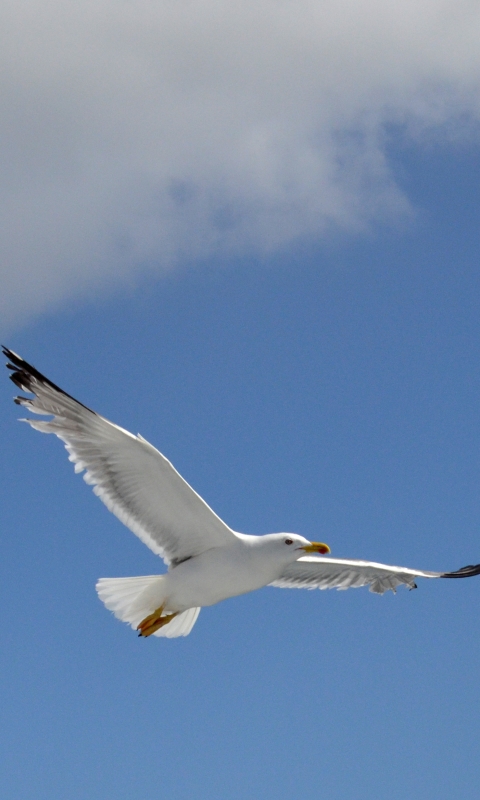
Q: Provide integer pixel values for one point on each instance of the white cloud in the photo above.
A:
(146, 133)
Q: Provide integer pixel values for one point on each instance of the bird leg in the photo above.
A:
(154, 622)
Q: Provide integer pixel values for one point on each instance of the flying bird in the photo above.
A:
(207, 561)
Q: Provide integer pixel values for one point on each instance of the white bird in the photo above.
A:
(207, 561)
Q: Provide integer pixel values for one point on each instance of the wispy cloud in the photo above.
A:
(146, 134)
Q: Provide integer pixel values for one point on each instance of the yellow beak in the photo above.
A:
(316, 547)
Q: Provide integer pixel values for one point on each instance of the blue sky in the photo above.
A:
(325, 382)
(332, 392)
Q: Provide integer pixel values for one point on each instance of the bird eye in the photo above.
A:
(288, 541)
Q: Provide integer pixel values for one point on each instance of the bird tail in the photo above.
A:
(133, 599)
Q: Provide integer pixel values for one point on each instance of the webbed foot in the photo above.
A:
(154, 622)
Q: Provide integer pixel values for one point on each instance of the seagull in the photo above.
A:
(207, 561)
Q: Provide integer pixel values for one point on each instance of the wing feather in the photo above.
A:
(314, 572)
(134, 480)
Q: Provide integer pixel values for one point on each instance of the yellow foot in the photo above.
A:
(154, 622)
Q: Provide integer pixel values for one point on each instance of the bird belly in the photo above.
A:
(214, 576)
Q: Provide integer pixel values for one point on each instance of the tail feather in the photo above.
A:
(133, 599)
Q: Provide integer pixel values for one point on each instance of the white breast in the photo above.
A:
(217, 574)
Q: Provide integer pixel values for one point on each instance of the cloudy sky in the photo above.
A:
(250, 232)
(141, 136)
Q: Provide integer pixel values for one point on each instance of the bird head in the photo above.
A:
(292, 546)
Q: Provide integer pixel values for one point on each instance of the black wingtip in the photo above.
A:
(10, 353)
(464, 572)
(24, 373)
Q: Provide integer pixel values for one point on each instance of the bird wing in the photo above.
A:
(136, 482)
(312, 572)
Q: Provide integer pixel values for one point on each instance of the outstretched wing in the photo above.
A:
(312, 572)
(134, 480)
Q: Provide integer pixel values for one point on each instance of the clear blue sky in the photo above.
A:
(332, 390)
